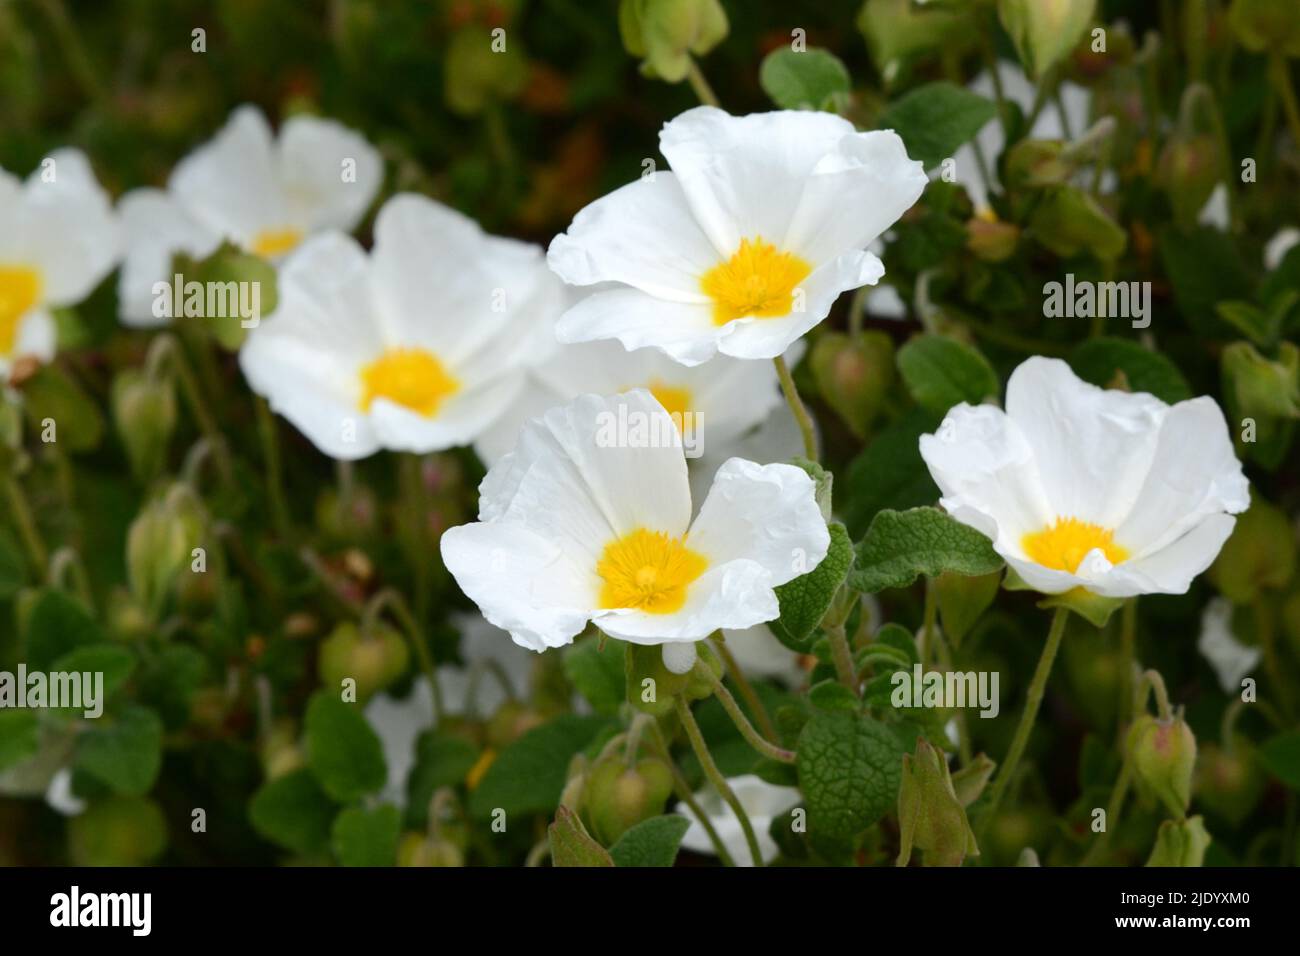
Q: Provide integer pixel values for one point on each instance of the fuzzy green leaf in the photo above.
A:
(900, 545)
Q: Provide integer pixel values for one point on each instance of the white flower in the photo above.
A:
(1215, 213)
(58, 239)
(1079, 486)
(418, 346)
(743, 247)
(761, 802)
(398, 722)
(589, 519)
(264, 194)
(717, 402)
(760, 654)
(1275, 249)
(1231, 659)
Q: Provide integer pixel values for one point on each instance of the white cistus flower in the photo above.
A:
(418, 346)
(58, 239)
(589, 519)
(264, 193)
(1079, 486)
(1230, 659)
(761, 801)
(763, 221)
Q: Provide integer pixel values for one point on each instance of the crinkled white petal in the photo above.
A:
(737, 593)
(686, 332)
(767, 514)
(760, 654)
(523, 583)
(155, 228)
(64, 228)
(460, 418)
(644, 235)
(231, 183)
(329, 173)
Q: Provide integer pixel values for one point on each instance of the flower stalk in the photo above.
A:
(715, 776)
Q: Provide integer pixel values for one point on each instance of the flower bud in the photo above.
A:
(1069, 221)
(854, 375)
(160, 543)
(930, 816)
(699, 686)
(651, 686)
(1189, 168)
(1045, 31)
(667, 32)
(347, 518)
(992, 241)
(899, 30)
(1266, 25)
(1259, 555)
(1258, 387)
(416, 849)
(1035, 163)
(1164, 754)
(511, 721)
(616, 797)
(1180, 843)
(373, 660)
(144, 415)
(1229, 780)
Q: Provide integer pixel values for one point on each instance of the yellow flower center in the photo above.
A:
(675, 399)
(649, 571)
(270, 243)
(20, 288)
(1066, 543)
(759, 281)
(412, 378)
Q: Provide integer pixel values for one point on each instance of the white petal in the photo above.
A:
(37, 336)
(1093, 446)
(460, 419)
(761, 802)
(643, 235)
(531, 401)
(64, 228)
(760, 654)
(1171, 569)
(155, 228)
(1231, 659)
(1215, 212)
(313, 154)
(685, 332)
(1275, 249)
(985, 467)
(1182, 486)
(855, 192)
(744, 176)
(521, 582)
(398, 722)
(761, 513)
(231, 183)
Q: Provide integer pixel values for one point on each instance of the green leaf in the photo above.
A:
(51, 395)
(114, 662)
(812, 80)
(362, 837)
(1281, 757)
(528, 775)
(849, 771)
(20, 737)
(652, 842)
(1097, 360)
(293, 812)
(1204, 267)
(936, 119)
(806, 599)
(571, 845)
(342, 749)
(890, 473)
(942, 372)
(900, 545)
(832, 695)
(962, 599)
(124, 751)
(57, 625)
(597, 674)
(441, 760)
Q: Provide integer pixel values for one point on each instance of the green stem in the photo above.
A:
(747, 692)
(703, 92)
(1281, 76)
(1127, 661)
(857, 310)
(752, 736)
(1113, 807)
(842, 656)
(797, 407)
(74, 51)
(391, 599)
(274, 471)
(1033, 698)
(683, 789)
(927, 626)
(417, 519)
(715, 776)
(27, 530)
(166, 349)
